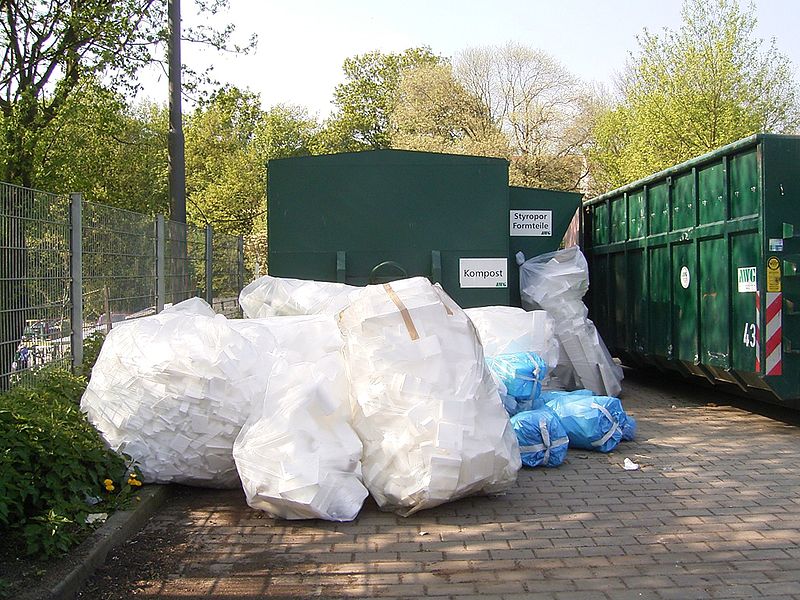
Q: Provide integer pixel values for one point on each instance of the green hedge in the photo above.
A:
(52, 464)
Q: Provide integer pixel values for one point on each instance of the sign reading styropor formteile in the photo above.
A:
(483, 272)
(537, 223)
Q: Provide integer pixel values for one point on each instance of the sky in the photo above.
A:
(303, 43)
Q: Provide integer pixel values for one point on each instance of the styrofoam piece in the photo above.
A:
(425, 405)
(557, 282)
(173, 390)
(270, 296)
(298, 456)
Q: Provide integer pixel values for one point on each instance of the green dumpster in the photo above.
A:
(694, 269)
(371, 217)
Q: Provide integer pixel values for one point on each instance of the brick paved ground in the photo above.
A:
(714, 512)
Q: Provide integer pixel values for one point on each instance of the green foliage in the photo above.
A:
(91, 350)
(689, 91)
(52, 46)
(114, 153)
(435, 113)
(51, 461)
(367, 98)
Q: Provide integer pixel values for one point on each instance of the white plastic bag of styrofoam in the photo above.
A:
(173, 390)
(270, 296)
(508, 330)
(425, 406)
(298, 456)
(192, 306)
(557, 283)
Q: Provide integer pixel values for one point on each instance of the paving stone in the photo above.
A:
(712, 513)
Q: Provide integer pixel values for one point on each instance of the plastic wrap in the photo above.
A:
(592, 422)
(425, 405)
(192, 306)
(557, 283)
(298, 456)
(542, 438)
(507, 330)
(275, 296)
(173, 390)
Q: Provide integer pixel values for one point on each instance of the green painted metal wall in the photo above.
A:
(556, 209)
(694, 269)
(416, 213)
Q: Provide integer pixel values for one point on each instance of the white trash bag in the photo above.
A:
(508, 330)
(425, 405)
(270, 296)
(557, 282)
(173, 390)
(298, 456)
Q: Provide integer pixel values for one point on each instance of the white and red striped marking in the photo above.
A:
(758, 331)
(774, 335)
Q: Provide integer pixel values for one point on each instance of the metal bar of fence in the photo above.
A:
(209, 264)
(76, 273)
(161, 283)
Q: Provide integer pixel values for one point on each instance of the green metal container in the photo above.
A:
(537, 222)
(694, 269)
(371, 217)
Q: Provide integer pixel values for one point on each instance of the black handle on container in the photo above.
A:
(373, 275)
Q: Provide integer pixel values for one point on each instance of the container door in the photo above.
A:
(684, 291)
(714, 317)
(745, 265)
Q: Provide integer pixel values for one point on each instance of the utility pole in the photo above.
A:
(177, 166)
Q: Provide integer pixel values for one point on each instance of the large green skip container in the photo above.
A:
(694, 269)
(370, 217)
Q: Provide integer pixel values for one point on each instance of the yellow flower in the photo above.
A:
(110, 488)
(107, 482)
(132, 476)
(134, 482)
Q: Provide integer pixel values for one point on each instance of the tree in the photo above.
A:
(225, 175)
(52, 46)
(435, 113)
(229, 139)
(688, 91)
(114, 153)
(537, 103)
(367, 98)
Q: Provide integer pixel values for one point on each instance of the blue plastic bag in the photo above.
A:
(552, 394)
(592, 422)
(541, 436)
(521, 373)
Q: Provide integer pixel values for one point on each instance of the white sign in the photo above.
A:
(536, 223)
(483, 272)
(747, 279)
(685, 277)
(775, 245)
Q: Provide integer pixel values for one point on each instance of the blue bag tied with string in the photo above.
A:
(541, 436)
(521, 373)
(592, 422)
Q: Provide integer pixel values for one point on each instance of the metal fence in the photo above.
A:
(70, 268)
(34, 280)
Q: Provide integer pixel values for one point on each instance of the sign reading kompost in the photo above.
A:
(483, 272)
(535, 223)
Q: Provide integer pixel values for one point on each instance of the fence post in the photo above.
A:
(209, 264)
(76, 277)
(240, 264)
(161, 275)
